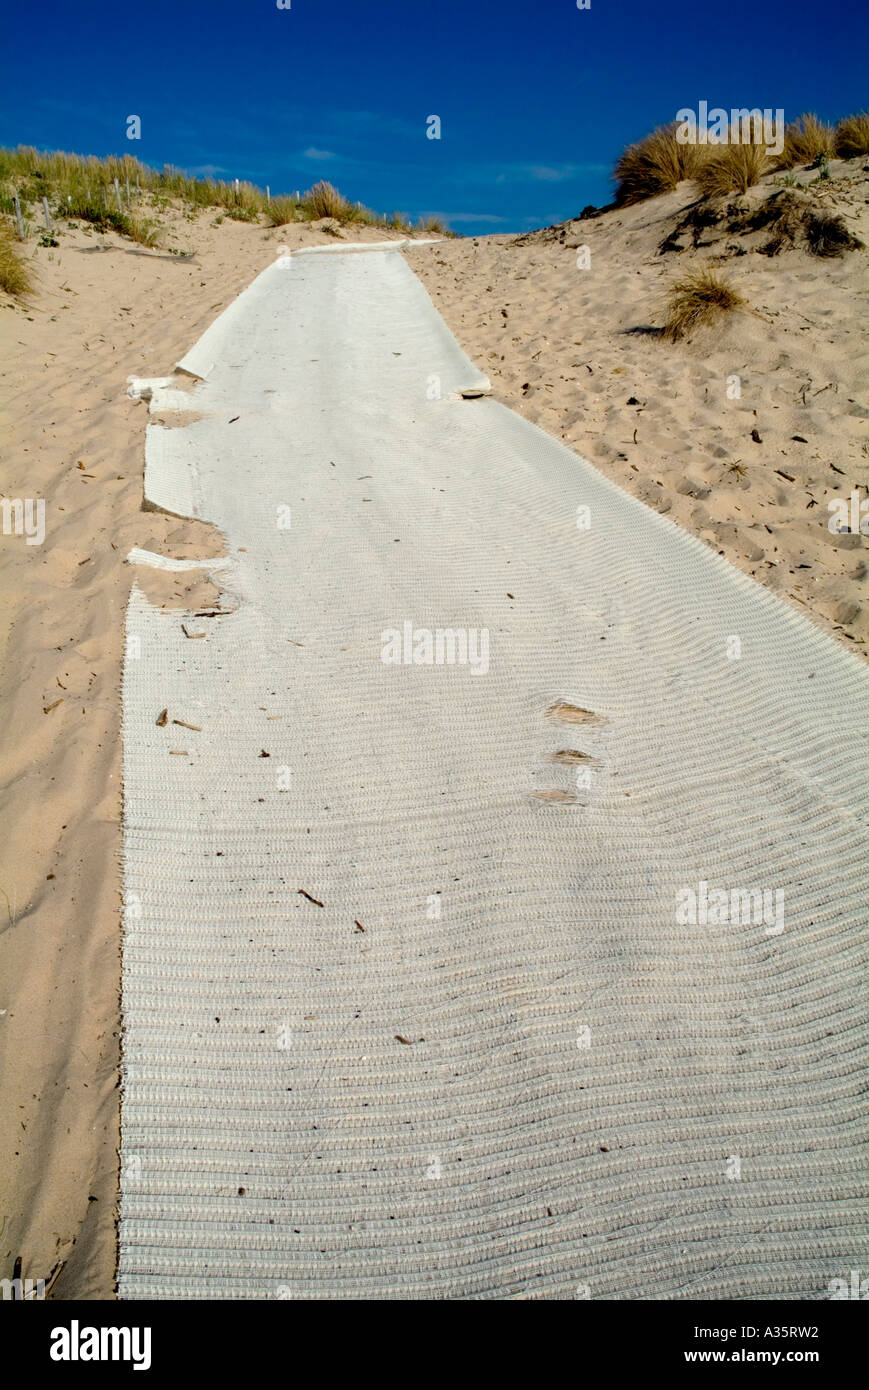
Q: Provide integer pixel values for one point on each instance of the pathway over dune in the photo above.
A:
(428, 992)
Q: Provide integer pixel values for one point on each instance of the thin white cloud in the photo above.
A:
(313, 153)
(467, 217)
(547, 173)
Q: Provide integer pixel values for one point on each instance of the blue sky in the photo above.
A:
(536, 99)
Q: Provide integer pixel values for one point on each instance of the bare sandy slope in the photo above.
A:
(104, 309)
(566, 347)
(575, 351)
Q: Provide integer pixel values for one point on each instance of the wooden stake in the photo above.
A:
(18, 218)
(47, 212)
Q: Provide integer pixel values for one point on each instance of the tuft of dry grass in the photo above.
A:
(280, 211)
(782, 216)
(806, 140)
(243, 203)
(827, 235)
(142, 230)
(15, 278)
(698, 298)
(851, 136)
(325, 201)
(434, 226)
(732, 169)
(656, 164)
(357, 212)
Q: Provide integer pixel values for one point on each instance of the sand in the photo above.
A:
(568, 348)
(575, 350)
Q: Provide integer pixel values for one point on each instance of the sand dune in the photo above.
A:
(577, 352)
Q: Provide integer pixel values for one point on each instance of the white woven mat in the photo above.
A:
(494, 1062)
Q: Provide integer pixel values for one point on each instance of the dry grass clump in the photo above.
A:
(280, 211)
(807, 140)
(698, 298)
(827, 235)
(142, 230)
(732, 169)
(851, 136)
(325, 201)
(656, 164)
(433, 226)
(243, 202)
(15, 276)
(782, 216)
(358, 212)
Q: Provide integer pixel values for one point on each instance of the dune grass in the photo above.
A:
(807, 140)
(851, 136)
(83, 188)
(281, 210)
(326, 201)
(432, 226)
(656, 164)
(732, 169)
(698, 298)
(15, 277)
(143, 230)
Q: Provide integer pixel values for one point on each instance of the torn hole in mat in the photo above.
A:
(174, 419)
(562, 712)
(163, 392)
(167, 581)
(570, 756)
(138, 556)
(190, 590)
